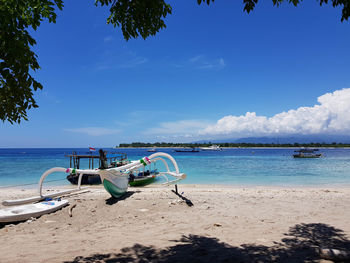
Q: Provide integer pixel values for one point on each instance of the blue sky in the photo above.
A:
(196, 79)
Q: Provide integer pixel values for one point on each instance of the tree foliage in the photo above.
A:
(137, 17)
(249, 5)
(18, 61)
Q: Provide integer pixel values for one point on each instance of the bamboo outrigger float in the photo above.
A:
(115, 180)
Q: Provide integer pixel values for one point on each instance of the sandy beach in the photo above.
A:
(151, 224)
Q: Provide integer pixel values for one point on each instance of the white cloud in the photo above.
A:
(221, 62)
(330, 116)
(133, 62)
(102, 67)
(107, 39)
(184, 128)
(112, 60)
(49, 97)
(202, 62)
(94, 131)
(196, 58)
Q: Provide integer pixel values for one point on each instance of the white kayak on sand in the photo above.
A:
(24, 212)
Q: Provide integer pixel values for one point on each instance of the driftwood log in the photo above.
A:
(70, 210)
(334, 254)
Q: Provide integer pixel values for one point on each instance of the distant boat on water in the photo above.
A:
(152, 150)
(306, 153)
(187, 150)
(212, 148)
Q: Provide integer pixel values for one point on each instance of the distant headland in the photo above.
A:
(233, 145)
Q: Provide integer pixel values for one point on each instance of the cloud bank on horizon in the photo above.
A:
(330, 116)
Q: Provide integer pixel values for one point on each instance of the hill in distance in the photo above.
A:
(282, 140)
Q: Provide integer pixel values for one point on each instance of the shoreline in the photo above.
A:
(180, 147)
(189, 185)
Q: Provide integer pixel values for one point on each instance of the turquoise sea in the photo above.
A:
(228, 167)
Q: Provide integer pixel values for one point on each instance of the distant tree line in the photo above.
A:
(243, 145)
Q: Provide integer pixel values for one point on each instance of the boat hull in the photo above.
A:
(87, 179)
(307, 156)
(143, 180)
(115, 183)
(24, 212)
(112, 189)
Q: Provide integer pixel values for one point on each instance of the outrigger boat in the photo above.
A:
(187, 150)
(307, 153)
(115, 160)
(115, 180)
(152, 150)
(143, 178)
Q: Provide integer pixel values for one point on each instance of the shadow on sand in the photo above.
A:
(112, 200)
(299, 245)
(187, 201)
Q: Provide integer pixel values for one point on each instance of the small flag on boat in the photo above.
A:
(92, 149)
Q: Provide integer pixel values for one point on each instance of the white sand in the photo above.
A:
(225, 224)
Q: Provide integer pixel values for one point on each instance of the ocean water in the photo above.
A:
(228, 167)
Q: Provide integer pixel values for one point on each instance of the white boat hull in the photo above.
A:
(211, 148)
(114, 182)
(24, 212)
